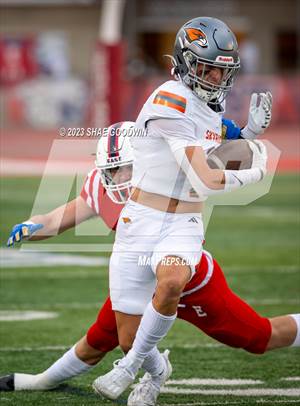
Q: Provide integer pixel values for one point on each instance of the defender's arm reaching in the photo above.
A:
(55, 222)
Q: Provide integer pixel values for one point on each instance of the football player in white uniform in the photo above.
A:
(171, 179)
(199, 294)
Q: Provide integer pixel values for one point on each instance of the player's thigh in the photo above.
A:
(180, 244)
(131, 282)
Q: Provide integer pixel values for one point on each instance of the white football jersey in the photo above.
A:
(174, 118)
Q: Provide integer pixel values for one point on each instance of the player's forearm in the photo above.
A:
(207, 181)
(62, 218)
(195, 165)
(53, 223)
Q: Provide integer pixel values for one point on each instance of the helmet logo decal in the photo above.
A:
(193, 34)
(226, 59)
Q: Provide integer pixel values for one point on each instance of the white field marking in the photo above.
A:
(259, 401)
(273, 213)
(27, 167)
(291, 378)
(56, 348)
(239, 402)
(62, 247)
(234, 392)
(272, 302)
(19, 259)
(17, 315)
(32, 349)
(214, 382)
(77, 274)
(194, 346)
(236, 269)
(50, 306)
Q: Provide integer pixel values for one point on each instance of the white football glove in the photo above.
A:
(259, 117)
(260, 156)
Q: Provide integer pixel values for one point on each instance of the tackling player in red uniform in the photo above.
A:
(206, 302)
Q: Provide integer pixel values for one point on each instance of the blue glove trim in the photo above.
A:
(230, 131)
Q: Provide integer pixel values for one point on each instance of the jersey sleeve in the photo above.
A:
(90, 190)
(178, 132)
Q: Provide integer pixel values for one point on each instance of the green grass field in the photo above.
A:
(258, 246)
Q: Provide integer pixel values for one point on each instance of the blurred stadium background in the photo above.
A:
(88, 63)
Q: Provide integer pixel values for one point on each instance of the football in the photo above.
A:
(232, 154)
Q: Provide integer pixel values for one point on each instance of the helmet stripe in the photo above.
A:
(113, 148)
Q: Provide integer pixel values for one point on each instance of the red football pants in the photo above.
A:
(214, 309)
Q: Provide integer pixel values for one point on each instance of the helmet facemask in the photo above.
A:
(213, 93)
(114, 159)
(117, 181)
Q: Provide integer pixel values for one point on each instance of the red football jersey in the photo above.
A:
(96, 197)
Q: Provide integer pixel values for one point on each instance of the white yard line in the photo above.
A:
(49, 273)
(239, 402)
(11, 258)
(214, 382)
(236, 269)
(234, 392)
(259, 401)
(291, 379)
(56, 306)
(63, 247)
(33, 349)
(55, 348)
(27, 167)
(25, 315)
(272, 301)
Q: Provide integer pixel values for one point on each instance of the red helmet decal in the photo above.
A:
(226, 59)
(193, 34)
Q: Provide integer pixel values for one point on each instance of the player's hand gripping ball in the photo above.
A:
(238, 154)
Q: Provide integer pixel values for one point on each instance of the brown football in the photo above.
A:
(231, 154)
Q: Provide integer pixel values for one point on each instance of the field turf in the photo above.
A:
(258, 248)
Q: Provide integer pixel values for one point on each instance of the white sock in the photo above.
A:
(154, 363)
(68, 366)
(296, 342)
(153, 327)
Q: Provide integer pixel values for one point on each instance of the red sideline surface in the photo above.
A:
(25, 153)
